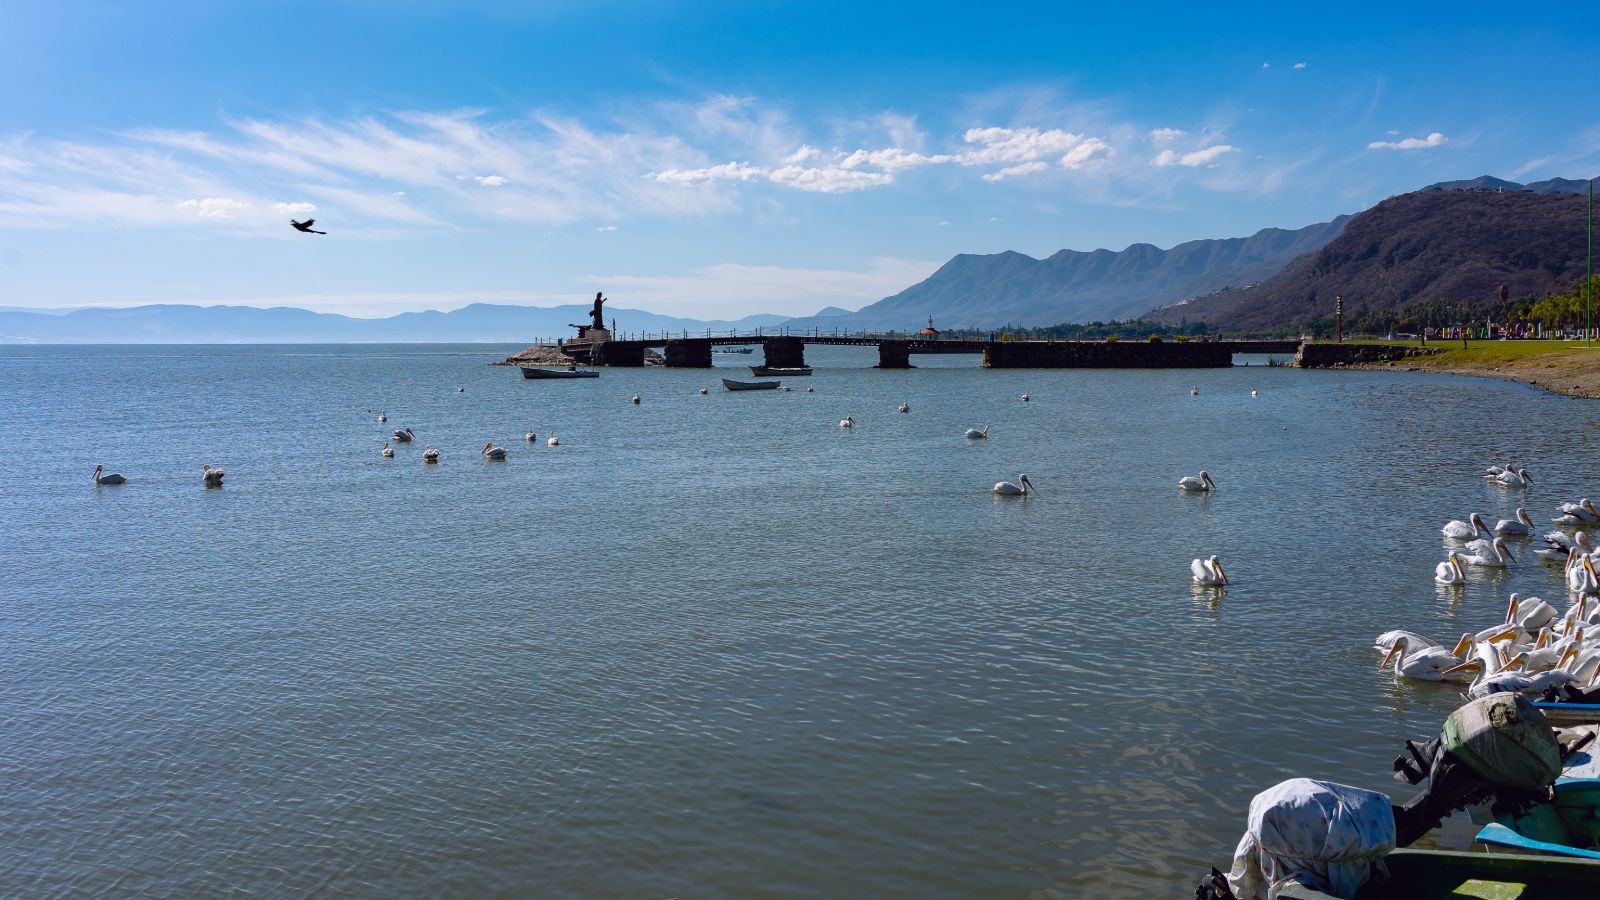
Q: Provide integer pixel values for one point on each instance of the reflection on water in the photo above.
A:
(713, 645)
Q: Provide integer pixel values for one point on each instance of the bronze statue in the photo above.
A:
(599, 320)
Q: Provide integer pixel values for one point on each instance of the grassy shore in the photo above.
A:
(1562, 367)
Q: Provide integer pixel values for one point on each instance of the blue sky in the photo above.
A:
(716, 160)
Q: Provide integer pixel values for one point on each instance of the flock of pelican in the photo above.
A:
(1536, 649)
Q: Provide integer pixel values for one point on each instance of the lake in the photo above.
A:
(714, 645)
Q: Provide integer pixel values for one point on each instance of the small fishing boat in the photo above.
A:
(778, 372)
(568, 372)
(732, 385)
(1430, 874)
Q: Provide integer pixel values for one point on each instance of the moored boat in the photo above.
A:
(568, 372)
(1429, 874)
(732, 385)
(776, 371)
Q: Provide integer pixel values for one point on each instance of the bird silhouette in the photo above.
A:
(306, 226)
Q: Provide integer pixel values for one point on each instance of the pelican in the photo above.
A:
(1558, 547)
(490, 451)
(1252, 392)
(1194, 391)
(1581, 578)
(530, 437)
(383, 417)
(1422, 663)
(101, 476)
(1385, 641)
(1024, 397)
(1197, 484)
(430, 455)
(462, 389)
(387, 452)
(1521, 526)
(1208, 572)
(1496, 471)
(636, 399)
(1450, 572)
(808, 390)
(704, 392)
(847, 422)
(1530, 615)
(1580, 513)
(552, 442)
(1456, 529)
(1022, 487)
(403, 435)
(1519, 478)
(905, 407)
(212, 477)
(976, 435)
(1489, 554)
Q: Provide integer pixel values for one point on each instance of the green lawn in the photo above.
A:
(1486, 352)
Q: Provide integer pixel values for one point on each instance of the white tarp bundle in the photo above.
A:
(1321, 835)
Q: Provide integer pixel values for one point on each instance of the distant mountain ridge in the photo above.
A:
(1010, 288)
(1433, 244)
(1491, 183)
(184, 324)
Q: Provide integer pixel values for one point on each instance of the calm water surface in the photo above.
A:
(712, 646)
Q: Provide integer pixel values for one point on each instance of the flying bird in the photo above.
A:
(306, 226)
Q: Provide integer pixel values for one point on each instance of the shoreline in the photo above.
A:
(1568, 373)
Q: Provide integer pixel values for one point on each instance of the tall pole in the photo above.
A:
(1338, 318)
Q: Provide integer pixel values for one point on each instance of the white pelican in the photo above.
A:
(1530, 615)
(1450, 572)
(462, 389)
(704, 392)
(1422, 663)
(1580, 513)
(976, 435)
(430, 455)
(636, 399)
(1208, 572)
(1024, 397)
(1489, 554)
(1558, 547)
(1521, 526)
(383, 417)
(101, 476)
(808, 390)
(212, 477)
(1385, 641)
(1197, 484)
(403, 435)
(1456, 529)
(1495, 471)
(530, 437)
(1519, 478)
(1252, 392)
(552, 442)
(847, 422)
(490, 451)
(905, 407)
(1022, 487)
(387, 452)
(1581, 578)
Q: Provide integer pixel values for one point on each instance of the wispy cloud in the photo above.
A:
(1300, 65)
(1432, 140)
(1163, 135)
(1194, 158)
(732, 290)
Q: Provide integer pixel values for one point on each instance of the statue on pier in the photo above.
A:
(596, 315)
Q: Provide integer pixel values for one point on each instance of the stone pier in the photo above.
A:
(628, 354)
(785, 352)
(894, 355)
(688, 353)
(1107, 355)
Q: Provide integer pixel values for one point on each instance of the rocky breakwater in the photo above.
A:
(538, 355)
(1334, 356)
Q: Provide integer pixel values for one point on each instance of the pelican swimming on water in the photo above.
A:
(976, 435)
(1581, 513)
(101, 476)
(1458, 530)
(530, 437)
(1520, 526)
(552, 442)
(704, 392)
(430, 455)
(905, 407)
(1450, 572)
(1489, 554)
(1519, 478)
(1022, 487)
(1385, 641)
(847, 422)
(1194, 391)
(212, 477)
(490, 451)
(383, 417)
(403, 435)
(1208, 572)
(1197, 484)
(387, 452)
(1252, 392)
(636, 399)
(1024, 397)
(1422, 663)
(1558, 547)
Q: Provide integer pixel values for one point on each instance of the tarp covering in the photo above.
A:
(1321, 835)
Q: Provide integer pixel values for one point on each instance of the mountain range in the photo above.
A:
(183, 324)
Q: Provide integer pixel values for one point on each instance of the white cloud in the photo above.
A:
(1202, 157)
(1266, 65)
(725, 172)
(829, 179)
(1086, 153)
(890, 160)
(806, 152)
(215, 207)
(1163, 135)
(733, 290)
(1300, 65)
(1432, 140)
(606, 228)
(300, 208)
(489, 180)
(1012, 171)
